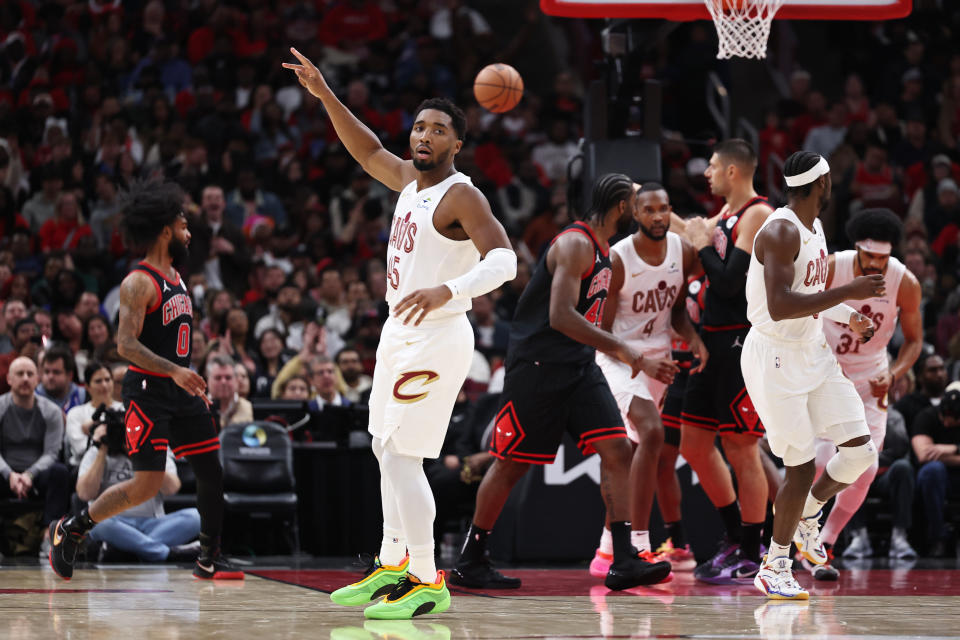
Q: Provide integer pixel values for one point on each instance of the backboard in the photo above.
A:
(683, 10)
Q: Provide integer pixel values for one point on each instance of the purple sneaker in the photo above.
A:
(736, 569)
(708, 570)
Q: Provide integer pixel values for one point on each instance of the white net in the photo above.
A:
(743, 26)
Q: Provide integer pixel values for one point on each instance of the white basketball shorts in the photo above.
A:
(418, 375)
(800, 394)
(625, 388)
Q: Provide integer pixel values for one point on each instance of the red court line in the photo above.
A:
(572, 582)
(17, 591)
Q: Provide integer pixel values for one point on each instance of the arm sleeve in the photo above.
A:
(499, 266)
(52, 439)
(728, 280)
(840, 313)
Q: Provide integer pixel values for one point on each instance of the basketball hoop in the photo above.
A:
(743, 26)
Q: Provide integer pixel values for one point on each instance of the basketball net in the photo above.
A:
(743, 26)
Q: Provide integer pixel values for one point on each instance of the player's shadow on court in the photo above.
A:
(393, 629)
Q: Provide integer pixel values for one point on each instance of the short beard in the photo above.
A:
(178, 252)
(350, 377)
(424, 165)
(645, 231)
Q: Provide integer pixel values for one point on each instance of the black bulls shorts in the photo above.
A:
(542, 401)
(161, 415)
(716, 398)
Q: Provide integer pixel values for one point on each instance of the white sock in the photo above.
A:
(777, 551)
(641, 540)
(606, 542)
(392, 548)
(422, 563)
(812, 507)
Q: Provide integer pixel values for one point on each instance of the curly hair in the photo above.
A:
(882, 225)
(148, 206)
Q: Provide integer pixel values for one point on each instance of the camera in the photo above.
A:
(116, 437)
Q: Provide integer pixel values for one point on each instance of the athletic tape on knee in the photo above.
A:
(849, 462)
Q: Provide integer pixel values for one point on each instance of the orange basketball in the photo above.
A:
(498, 87)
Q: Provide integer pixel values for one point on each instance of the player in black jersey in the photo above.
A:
(553, 385)
(166, 401)
(716, 399)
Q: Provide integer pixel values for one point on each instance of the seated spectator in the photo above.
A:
(895, 482)
(217, 247)
(31, 436)
(248, 199)
(271, 356)
(97, 337)
(67, 226)
(491, 334)
(944, 218)
(41, 207)
(355, 381)
(58, 371)
(117, 371)
(455, 475)
(931, 376)
(143, 530)
(873, 183)
(243, 380)
(824, 139)
(936, 445)
(13, 312)
(88, 305)
(222, 389)
(82, 419)
(26, 343)
(295, 387)
(323, 378)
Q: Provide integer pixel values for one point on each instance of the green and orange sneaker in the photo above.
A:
(412, 598)
(378, 581)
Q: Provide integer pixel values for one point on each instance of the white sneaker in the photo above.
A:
(807, 539)
(776, 580)
(899, 546)
(823, 572)
(859, 546)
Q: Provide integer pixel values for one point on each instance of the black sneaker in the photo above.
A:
(63, 548)
(634, 571)
(480, 574)
(216, 568)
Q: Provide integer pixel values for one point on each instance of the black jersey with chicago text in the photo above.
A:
(531, 337)
(168, 324)
(728, 312)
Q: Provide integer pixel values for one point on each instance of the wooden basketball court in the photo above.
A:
(144, 602)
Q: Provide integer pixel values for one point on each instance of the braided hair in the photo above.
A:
(608, 191)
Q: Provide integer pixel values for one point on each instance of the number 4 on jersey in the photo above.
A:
(594, 314)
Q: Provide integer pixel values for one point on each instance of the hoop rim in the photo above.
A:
(684, 11)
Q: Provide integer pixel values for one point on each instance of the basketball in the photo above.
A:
(498, 87)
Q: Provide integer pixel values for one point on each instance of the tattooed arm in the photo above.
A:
(137, 294)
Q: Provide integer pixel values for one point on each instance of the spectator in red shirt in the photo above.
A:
(66, 227)
(873, 183)
(353, 22)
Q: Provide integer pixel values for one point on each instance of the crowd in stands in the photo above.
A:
(286, 263)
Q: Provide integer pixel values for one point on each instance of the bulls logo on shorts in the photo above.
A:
(507, 432)
(138, 427)
(745, 414)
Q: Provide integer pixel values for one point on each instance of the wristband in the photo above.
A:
(839, 313)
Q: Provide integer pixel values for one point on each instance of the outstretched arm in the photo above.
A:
(359, 140)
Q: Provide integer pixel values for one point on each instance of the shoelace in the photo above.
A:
(404, 586)
(783, 578)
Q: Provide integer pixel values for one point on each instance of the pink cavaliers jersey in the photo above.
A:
(647, 296)
(864, 361)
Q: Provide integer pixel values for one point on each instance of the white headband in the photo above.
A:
(808, 176)
(875, 246)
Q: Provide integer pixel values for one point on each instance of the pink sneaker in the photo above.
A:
(600, 564)
(680, 558)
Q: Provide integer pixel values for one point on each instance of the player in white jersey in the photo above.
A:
(646, 299)
(441, 229)
(874, 233)
(795, 382)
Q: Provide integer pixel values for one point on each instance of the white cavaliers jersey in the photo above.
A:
(809, 276)
(648, 294)
(862, 361)
(418, 256)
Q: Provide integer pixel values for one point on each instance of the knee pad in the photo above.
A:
(850, 462)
